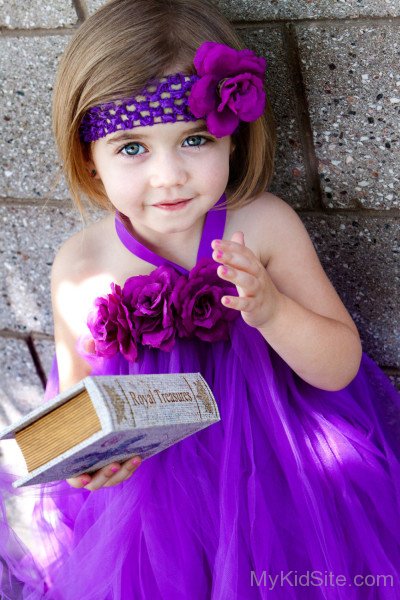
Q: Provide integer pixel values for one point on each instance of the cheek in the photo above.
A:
(113, 187)
(118, 181)
(217, 167)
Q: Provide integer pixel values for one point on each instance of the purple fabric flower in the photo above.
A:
(111, 327)
(230, 87)
(153, 309)
(149, 299)
(197, 299)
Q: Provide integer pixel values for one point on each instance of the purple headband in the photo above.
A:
(228, 88)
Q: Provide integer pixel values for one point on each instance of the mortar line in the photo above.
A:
(320, 211)
(81, 10)
(41, 203)
(393, 213)
(302, 113)
(38, 31)
(36, 361)
(82, 14)
(363, 20)
(19, 335)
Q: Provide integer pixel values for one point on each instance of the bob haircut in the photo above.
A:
(112, 56)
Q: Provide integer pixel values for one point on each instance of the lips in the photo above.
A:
(172, 202)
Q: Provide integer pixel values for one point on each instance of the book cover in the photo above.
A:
(127, 415)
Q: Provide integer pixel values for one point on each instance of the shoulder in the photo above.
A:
(281, 235)
(265, 219)
(80, 274)
(80, 255)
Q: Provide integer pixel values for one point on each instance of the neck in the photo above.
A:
(177, 247)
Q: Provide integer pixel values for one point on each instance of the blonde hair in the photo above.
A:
(115, 52)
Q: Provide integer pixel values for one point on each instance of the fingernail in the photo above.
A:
(217, 242)
(135, 461)
(114, 469)
(84, 480)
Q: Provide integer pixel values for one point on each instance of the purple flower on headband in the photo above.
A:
(149, 299)
(230, 88)
(111, 327)
(197, 299)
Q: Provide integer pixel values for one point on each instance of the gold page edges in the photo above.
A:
(58, 431)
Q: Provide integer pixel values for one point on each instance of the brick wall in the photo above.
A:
(334, 83)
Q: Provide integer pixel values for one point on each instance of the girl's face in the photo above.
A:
(163, 163)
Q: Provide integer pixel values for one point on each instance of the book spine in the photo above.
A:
(102, 405)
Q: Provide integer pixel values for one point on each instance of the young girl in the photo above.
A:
(161, 117)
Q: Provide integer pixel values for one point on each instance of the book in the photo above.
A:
(108, 418)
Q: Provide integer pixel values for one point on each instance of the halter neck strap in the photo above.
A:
(213, 228)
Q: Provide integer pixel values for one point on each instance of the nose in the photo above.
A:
(167, 170)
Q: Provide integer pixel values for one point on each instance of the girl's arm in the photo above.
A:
(290, 300)
(322, 350)
(73, 289)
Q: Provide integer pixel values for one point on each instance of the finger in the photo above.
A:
(235, 243)
(247, 282)
(90, 346)
(100, 477)
(242, 303)
(80, 481)
(126, 470)
(238, 260)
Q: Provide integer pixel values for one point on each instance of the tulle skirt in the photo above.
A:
(294, 494)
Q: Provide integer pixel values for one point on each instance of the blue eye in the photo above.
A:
(131, 149)
(196, 138)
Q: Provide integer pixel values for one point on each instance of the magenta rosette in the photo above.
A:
(111, 327)
(149, 300)
(197, 300)
(230, 88)
(153, 309)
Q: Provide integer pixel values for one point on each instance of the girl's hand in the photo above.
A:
(107, 476)
(259, 298)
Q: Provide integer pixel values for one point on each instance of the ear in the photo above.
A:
(91, 169)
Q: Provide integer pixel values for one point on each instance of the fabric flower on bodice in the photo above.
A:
(111, 326)
(230, 88)
(152, 310)
(148, 298)
(197, 299)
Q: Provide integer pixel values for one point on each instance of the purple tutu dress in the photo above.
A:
(294, 493)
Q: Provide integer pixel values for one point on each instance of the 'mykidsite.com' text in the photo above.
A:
(320, 579)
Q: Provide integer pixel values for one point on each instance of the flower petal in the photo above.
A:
(222, 123)
(203, 96)
(221, 61)
(201, 55)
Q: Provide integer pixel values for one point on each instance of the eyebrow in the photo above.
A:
(128, 135)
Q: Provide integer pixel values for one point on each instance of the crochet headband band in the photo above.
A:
(227, 88)
(162, 101)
